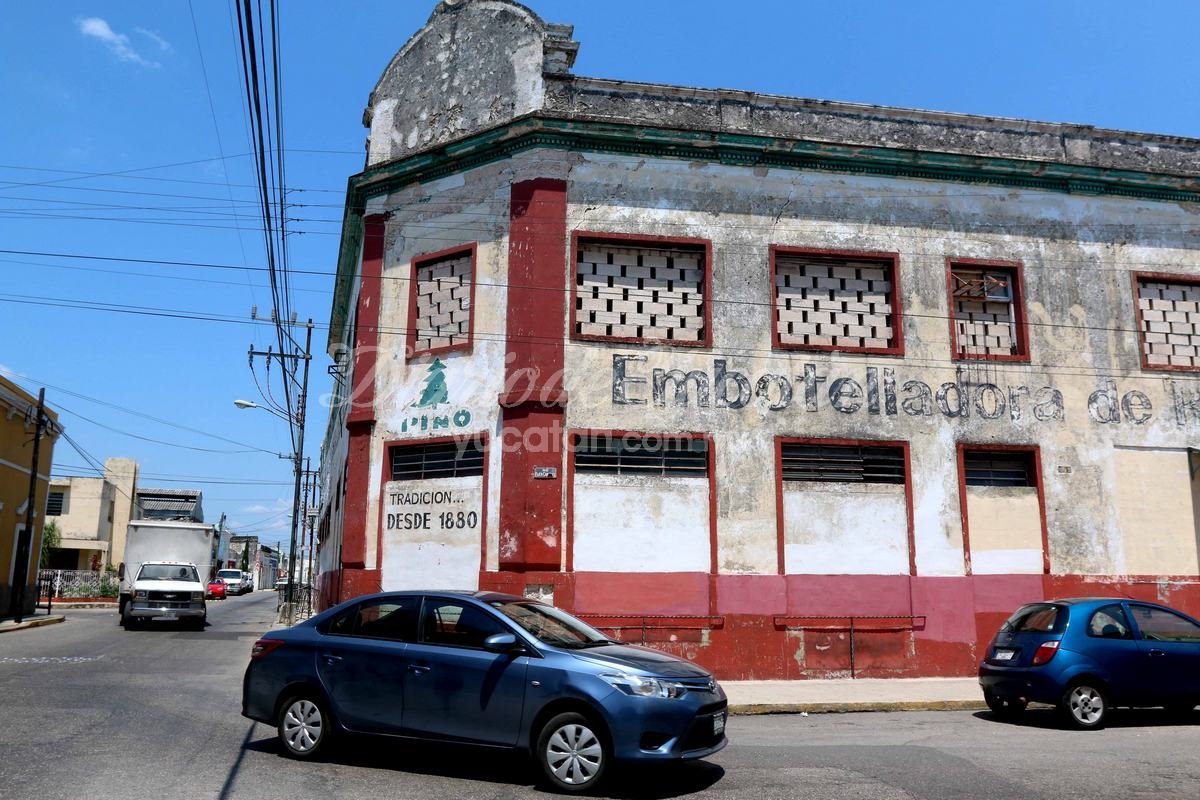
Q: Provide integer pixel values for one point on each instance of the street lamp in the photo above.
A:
(297, 465)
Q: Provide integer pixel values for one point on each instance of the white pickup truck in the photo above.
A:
(166, 590)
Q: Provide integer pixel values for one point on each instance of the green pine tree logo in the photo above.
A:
(435, 391)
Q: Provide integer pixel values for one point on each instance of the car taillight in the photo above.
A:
(263, 647)
(1045, 652)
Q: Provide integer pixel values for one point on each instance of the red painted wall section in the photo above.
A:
(360, 422)
(664, 593)
(751, 594)
(366, 321)
(530, 534)
(858, 595)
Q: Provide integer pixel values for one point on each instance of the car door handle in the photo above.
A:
(1157, 653)
(417, 669)
(330, 658)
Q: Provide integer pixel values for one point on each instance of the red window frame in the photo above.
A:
(1017, 270)
(1157, 277)
(425, 259)
(780, 441)
(890, 260)
(569, 446)
(1036, 453)
(578, 238)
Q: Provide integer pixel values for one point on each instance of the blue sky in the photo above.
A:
(125, 137)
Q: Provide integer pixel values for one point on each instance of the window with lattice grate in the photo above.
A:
(985, 308)
(1169, 322)
(645, 292)
(441, 302)
(836, 302)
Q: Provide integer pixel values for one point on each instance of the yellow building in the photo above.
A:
(18, 426)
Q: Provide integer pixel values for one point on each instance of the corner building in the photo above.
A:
(793, 388)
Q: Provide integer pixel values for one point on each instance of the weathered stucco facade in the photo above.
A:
(793, 388)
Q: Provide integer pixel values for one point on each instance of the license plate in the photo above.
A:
(1004, 655)
(170, 615)
(718, 724)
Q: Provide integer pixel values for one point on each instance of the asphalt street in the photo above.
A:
(93, 711)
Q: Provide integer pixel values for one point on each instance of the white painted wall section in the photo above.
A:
(845, 529)
(641, 524)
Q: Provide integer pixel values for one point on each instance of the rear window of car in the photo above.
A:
(1037, 618)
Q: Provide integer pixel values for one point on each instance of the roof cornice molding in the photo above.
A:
(733, 149)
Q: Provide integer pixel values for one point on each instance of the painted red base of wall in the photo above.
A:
(748, 627)
(790, 627)
(336, 586)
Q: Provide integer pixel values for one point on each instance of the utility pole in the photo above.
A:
(294, 418)
(25, 538)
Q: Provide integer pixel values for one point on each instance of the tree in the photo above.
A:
(435, 386)
(51, 541)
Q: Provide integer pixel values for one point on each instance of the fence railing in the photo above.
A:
(77, 583)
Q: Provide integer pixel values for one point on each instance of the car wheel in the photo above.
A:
(572, 752)
(304, 726)
(128, 621)
(1005, 707)
(1085, 705)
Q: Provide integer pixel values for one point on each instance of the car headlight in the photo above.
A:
(639, 686)
(140, 594)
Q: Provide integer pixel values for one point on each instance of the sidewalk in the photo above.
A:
(30, 621)
(866, 694)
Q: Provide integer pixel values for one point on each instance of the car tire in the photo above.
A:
(1085, 705)
(304, 726)
(1005, 707)
(573, 752)
(128, 621)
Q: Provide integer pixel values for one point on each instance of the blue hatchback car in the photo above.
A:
(482, 668)
(1088, 655)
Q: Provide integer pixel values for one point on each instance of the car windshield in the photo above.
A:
(229, 573)
(551, 626)
(168, 572)
(1037, 618)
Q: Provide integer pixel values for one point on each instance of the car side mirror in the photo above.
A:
(503, 643)
(121, 572)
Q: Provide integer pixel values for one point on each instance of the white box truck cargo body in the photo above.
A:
(166, 568)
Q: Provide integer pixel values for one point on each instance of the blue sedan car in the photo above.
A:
(1088, 655)
(487, 669)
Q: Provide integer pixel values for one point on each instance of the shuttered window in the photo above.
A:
(441, 460)
(55, 503)
(989, 468)
(843, 463)
(641, 455)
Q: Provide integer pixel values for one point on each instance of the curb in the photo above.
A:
(750, 709)
(10, 626)
(88, 604)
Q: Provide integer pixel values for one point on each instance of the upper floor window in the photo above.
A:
(650, 290)
(440, 318)
(1168, 311)
(831, 300)
(987, 317)
(56, 504)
